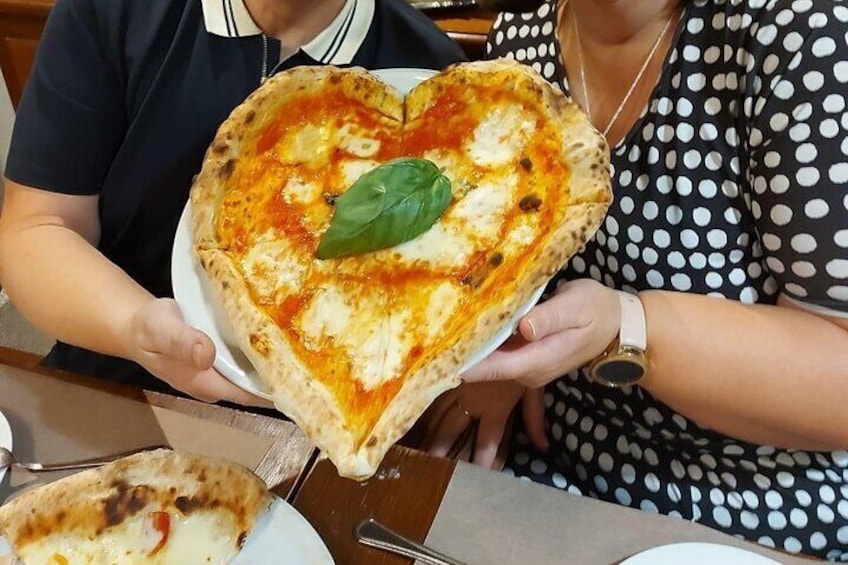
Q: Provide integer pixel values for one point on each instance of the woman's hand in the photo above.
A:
(180, 355)
(557, 336)
(491, 405)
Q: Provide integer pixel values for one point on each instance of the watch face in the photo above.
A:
(619, 372)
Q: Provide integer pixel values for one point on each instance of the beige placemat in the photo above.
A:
(57, 420)
(492, 519)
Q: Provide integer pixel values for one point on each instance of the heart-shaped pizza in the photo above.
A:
(364, 245)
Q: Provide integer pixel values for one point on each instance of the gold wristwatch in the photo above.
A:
(625, 361)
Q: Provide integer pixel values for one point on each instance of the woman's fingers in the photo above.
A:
(533, 415)
(490, 433)
(448, 431)
(561, 334)
(565, 310)
(534, 364)
(208, 385)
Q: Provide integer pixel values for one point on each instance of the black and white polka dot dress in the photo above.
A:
(734, 183)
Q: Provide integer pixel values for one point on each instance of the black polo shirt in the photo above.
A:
(126, 95)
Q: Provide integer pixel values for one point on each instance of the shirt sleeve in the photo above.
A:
(70, 120)
(797, 144)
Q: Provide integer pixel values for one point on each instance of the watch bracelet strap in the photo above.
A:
(633, 333)
(631, 343)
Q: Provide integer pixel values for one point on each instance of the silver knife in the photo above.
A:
(303, 475)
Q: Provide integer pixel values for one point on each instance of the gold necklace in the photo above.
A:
(633, 84)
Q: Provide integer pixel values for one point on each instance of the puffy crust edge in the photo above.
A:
(584, 148)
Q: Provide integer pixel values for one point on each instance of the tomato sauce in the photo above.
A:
(447, 124)
(256, 203)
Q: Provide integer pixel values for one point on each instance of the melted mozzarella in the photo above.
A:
(352, 140)
(300, 192)
(441, 307)
(482, 211)
(197, 538)
(443, 245)
(371, 334)
(309, 144)
(501, 135)
(272, 267)
(379, 349)
(328, 315)
(353, 169)
(452, 163)
(522, 235)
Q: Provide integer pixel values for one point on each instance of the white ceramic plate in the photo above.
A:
(698, 554)
(282, 537)
(5, 439)
(200, 310)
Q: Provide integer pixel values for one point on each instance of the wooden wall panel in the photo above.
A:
(17, 55)
(21, 24)
(468, 27)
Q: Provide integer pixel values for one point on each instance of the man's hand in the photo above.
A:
(557, 336)
(180, 355)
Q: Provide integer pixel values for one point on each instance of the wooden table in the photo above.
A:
(450, 504)
(405, 494)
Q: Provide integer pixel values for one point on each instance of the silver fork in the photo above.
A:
(7, 459)
(372, 533)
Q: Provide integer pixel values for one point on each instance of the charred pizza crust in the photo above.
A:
(294, 389)
(90, 504)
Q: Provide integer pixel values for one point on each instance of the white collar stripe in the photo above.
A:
(337, 44)
(233, 19)
(355, 32)
(341, 35)
(228, 18)
(228, 15)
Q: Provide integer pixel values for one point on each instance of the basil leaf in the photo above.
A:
(386, 206)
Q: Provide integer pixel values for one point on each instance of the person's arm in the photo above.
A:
(51, 270)
(765, 374)
(771, 375)
(68, 127)
(768, 374)
(55, 276)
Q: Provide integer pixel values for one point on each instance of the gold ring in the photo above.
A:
(463, 409)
